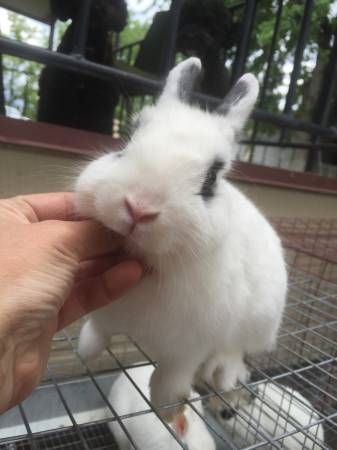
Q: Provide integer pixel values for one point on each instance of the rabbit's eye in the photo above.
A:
(227, 413)
(209, 184)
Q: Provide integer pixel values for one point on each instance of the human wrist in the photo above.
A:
(7, 363)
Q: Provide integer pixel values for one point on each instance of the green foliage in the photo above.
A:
(134, 31)
(60, 28)
(287, 38)
(21, 76)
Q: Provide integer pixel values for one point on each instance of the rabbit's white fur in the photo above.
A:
(146, 430)
(276, 410)
(217, 286)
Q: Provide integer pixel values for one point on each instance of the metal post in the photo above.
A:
(271, 53)
(51, 35)
(168, 56)
(302, 41)
(81, 24)
(116, 41)
(242, 50)
(303, 37)
(2, 90)
(324, 103)
(328, 88)
(268, 69)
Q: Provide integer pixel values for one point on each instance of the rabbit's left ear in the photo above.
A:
(239, 102)
(181, 80)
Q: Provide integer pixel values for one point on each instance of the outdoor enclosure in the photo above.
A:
(290, 46)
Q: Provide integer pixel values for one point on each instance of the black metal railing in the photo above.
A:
(311, 138)
(127, 53)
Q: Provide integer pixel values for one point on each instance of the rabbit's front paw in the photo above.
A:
(223, 372)
(168, 387)
(230, 373)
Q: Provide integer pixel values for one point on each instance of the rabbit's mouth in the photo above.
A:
(147, 261)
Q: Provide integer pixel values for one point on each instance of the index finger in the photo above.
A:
(50, 206)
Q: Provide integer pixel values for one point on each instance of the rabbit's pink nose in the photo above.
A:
(140, 214)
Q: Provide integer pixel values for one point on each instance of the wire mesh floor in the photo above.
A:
(292, 394)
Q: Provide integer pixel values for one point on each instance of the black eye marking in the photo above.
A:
(209, 184)
(227, 414)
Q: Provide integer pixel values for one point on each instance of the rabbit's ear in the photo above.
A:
(240, 100)
(181, 80)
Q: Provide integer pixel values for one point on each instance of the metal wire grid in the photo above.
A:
(305, 360)
(95, 437)
(311, 245)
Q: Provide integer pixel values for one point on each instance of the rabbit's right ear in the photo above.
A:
(181, 80)
(239, 102)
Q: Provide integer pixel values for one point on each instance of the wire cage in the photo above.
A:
(311, 245)
(290, 401)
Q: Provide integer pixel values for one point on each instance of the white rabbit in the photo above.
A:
(147, 430)
(217, 285)
(274, 411)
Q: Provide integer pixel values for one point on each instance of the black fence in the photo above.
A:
(285, 132)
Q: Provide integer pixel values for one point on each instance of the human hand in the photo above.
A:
(53, 270)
